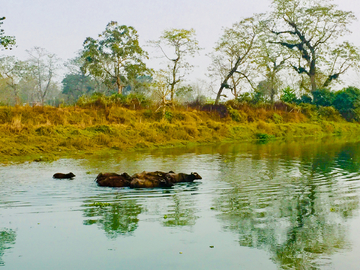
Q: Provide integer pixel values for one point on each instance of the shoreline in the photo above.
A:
(48, 133)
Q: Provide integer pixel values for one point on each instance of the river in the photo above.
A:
(280, 205)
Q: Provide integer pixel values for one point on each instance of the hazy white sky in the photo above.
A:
(61, 26)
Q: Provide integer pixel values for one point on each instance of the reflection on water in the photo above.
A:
(180, 212)
(295, 208)
(7, 240)
(286, 205)
(115, 216)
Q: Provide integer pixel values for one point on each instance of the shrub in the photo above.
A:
(347, 102)
(96, 100)
(258, 97)
(329, 113)
(168, 116)
(236, 115)
(277, 118)
(263, 137)
(288, 95)
(323, 97)
(244, 98)
(305, 99)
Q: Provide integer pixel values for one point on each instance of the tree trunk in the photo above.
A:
(119, 85)
(224, 82)
(312, 73)
(172, 89)
(313, 82)
(217, 100)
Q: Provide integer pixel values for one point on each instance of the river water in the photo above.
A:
(281, 205)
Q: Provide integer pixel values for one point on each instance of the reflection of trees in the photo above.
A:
(180, 212)
(291, 204)
(7, 239)
(349, 158)
(117, 217)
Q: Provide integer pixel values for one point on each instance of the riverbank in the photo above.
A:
(48, 133)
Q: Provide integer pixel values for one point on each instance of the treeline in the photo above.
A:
(291, 54)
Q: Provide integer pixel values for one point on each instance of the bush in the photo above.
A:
(329, 113)
(168, 116)
(132, 100)
(277, 118)
(347, 102)
(258, 97)
(236, 115)
(263, 137)
(96, 100)
(310, 111)
(305, 99)
(288, 95)
(323, 97)
(244, 98)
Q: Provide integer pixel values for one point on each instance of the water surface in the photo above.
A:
(283, 205)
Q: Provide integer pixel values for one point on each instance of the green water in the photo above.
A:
(282, 205)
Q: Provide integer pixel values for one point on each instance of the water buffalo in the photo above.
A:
(151, 180)
(64, 175)
(113, 179)
(183, 177)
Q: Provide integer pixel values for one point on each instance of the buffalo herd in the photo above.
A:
(145, 179)
(138, 180)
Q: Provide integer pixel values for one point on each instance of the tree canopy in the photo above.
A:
(183, 43)
(6, 42)
(310, 29)
(116, 57)
(234, 53)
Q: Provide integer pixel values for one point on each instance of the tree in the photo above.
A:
(219, 68)
(76, 83)
(184, 43)
(234, 53)
(271, 60)
(161, 88)
(116, 57)
(309, 30)
(43, 67)
(6, 42)
(13, 71)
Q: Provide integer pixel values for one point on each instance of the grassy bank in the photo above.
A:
(46, 133)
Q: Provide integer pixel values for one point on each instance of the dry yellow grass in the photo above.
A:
(31, 131)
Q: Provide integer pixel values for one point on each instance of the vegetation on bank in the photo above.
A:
(46, 133)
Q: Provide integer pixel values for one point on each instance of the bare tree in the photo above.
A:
(44, 66)
(161, 88)
(184, 43)
(13, 72)
(233, 53)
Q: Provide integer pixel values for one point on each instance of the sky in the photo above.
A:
(61, 26)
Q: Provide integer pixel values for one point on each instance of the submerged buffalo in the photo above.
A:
(145, 179)
(183, 177)
(113, 180)
(64, 175)
(151, 180)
